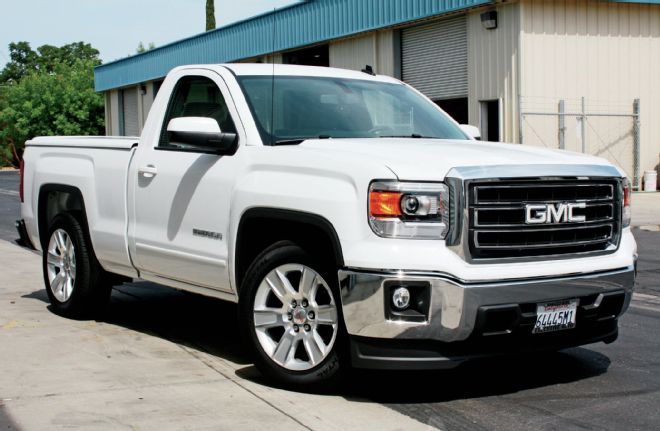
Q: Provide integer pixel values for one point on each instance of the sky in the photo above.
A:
(116, 27)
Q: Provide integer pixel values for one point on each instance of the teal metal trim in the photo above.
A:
(300, 24)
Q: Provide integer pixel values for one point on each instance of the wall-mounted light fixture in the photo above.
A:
(489, 20)
(143, 89)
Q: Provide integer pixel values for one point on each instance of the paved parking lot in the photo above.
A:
(171, 360)
(9, 204)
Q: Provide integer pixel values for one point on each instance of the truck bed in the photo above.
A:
(94, 166)
(100, 142)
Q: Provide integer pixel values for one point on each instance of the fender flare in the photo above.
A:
(42, 208)
(278, 214)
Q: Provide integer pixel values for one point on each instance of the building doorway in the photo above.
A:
(490, 121)
(314, 56)
(434, 60)
(456, 108)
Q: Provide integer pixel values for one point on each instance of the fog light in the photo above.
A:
(401, 298)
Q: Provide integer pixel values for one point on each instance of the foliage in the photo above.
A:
(24, 60)
(140, 48)
(59, 102)
(210, 15)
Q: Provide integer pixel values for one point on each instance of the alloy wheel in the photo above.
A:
(61, 265)
(295, 317)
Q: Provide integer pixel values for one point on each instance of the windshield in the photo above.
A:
(313, 107)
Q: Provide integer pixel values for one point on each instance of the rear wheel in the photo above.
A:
(290, 315)
(76, 284)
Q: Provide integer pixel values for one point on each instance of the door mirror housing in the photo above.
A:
(472, 131)
(201, 134)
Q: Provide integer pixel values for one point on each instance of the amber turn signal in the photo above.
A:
(384, 204)
(626, 194)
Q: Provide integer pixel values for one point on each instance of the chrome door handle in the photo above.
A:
(148, 171)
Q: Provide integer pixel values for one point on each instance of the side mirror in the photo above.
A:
(472, 131)
(201, 134)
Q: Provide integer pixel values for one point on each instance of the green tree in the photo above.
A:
(210, 15)
(79, 51)
(23, 59)
(141, 48)
(60, 102)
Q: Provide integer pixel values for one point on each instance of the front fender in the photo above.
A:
(336, 194)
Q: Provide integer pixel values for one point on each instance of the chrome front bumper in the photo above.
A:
(455, 305)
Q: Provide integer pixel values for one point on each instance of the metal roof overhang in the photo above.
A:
(304, 23)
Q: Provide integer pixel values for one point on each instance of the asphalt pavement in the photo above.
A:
(160, 360)
(9, 204)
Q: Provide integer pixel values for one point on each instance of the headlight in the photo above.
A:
(626, 213)
(409, 210)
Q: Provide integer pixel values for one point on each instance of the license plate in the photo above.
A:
(555, 316)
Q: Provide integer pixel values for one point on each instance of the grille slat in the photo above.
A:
(546, 193)
(511, 216)
(497, 217)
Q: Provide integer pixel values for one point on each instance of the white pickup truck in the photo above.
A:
(352, 220)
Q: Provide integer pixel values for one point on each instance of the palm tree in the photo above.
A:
(210, 15)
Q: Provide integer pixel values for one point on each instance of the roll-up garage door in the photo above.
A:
(130, 112)
(434, 58)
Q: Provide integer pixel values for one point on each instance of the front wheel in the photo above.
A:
(290, 315)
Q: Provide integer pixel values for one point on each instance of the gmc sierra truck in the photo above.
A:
(352, 220)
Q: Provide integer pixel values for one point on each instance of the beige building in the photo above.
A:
(583, 75)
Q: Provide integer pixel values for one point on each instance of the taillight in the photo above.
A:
(22, 174)
(626, 213)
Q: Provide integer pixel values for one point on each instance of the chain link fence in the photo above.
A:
(602, 128)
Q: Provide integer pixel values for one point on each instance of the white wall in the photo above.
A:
(607, 52)
(112, 112)
(493, 66)
(378, 49)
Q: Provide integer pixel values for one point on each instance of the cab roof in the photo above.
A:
(263, 69)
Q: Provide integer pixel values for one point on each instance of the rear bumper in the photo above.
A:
(464, 320)
(24, 238)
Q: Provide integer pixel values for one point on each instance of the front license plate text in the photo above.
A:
(555, 316)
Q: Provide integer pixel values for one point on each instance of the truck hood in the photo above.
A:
(432, 159)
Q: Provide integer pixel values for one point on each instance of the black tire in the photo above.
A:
(91, 286)
(327, 373)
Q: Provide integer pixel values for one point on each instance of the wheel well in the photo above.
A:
(262, 227)
(55, 199)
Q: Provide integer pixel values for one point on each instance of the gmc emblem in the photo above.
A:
(553, 213)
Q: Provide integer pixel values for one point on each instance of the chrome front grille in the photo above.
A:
(498, 225)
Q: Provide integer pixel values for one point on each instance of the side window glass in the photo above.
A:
(197, 96)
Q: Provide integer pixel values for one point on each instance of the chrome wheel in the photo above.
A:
(295, 317)
(61, 265)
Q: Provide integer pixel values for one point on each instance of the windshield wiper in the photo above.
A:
(412, 135)
(296, 141)
(290, 141)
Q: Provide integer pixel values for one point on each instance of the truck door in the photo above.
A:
(179, 197)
